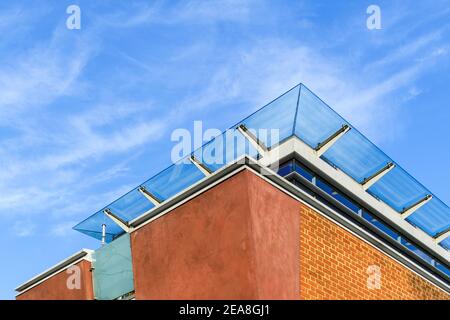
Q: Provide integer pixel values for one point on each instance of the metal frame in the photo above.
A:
(200, 166)
(342, 181)
(120, 222)
(104, 234)
(353, 188)
(323, 146)
(258, 144)
(441, 236)
(406, 212)
(150, 197)
(371, 180)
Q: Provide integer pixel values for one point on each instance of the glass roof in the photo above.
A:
(301, 113)
(223, 149)
(356, 156)
(172, 180)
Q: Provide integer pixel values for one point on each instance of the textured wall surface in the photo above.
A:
(245, 239)
(334, 265)
(238, 240)
(55, 287)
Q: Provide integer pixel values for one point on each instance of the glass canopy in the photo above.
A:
(301, 113)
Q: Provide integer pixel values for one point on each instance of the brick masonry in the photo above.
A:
(334, 265)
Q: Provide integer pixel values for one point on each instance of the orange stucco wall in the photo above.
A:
(55, 287)
(246, 239)
(334, 264)
(238, 240)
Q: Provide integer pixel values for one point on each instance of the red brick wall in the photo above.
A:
(238, 240)
(334, 263)
(55, 287)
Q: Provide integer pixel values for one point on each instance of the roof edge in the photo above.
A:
(83, 254)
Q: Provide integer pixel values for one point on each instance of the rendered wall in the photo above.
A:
(55, 287)
(238, 240)
(334, 265)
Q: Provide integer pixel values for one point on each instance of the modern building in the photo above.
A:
(292, 202)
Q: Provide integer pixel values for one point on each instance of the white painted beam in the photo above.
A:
(413, 208)
(150, 197)
(442, 236)
(122, 224)
(258, 144)
(347, 183)
(327, 143)
(367, 183)
(200, 166)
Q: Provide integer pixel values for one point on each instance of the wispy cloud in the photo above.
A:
(23, 228)
(41, 75)
(192, 12)
(63, 229)
(46, 161)
(360, 96)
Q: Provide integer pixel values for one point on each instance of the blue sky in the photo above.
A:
(86, 115)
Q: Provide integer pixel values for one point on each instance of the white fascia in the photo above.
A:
(347, 183)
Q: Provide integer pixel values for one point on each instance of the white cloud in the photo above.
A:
(41, 75)
(192, 12)
(23, 228)
(63, 229)
(250, 73)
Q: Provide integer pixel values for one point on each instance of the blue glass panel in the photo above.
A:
(338, 196)
(224, 149)
(398, 189)
(302, 187)
(380, 225)
(131, 205)
(92, 226)
(303, 171)
(443, 268)
(346, 202)
(432, 218)
(174, 179)
(356, 155)
(324, 186)
(98, 235)
(113, 271)
(315, 121)
(286, 168)
(275, 122)
(417, 251)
